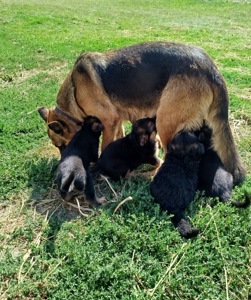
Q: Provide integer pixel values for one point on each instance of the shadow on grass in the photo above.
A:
(47, 201)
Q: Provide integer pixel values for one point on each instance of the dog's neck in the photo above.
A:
(60, 111)
(67, 102)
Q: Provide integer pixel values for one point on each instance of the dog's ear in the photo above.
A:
(43, 112)
(57, 127)
(97, 127)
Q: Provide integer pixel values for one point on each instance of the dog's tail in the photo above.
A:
(243, 204)
(223, 141)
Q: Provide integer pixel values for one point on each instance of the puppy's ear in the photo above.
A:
(201, 137)
(201, 149)
(97, 127)
(56, 127)
(196, 150)
(154, 119)
(153, 137)
(171, 148)
(43, 112)
(151, 126)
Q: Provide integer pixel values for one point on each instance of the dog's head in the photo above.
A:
(144, 130)
(60, 127)
(185, 144)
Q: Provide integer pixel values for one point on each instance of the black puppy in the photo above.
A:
(73, 176)
(213, 177)
(175, 184)
(127, 153)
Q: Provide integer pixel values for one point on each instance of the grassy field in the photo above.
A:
(128, 249)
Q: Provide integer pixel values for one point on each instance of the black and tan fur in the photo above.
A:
(177, 83)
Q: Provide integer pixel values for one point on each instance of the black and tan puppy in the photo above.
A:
(214, 179)
(175, 184)
(126, 154)
(73, 176)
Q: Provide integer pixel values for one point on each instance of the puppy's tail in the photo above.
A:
(243, 204)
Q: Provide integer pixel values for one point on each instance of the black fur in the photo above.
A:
(147, 71)
(126, 154)
(214, 179)
(73, 176)
(175, 184)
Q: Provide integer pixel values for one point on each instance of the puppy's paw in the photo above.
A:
(186, 230)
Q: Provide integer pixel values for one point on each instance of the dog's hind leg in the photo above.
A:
(184, 104)
(223, 141)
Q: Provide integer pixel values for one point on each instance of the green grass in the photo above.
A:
(130, 252)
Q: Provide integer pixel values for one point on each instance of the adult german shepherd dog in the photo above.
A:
(177, 83)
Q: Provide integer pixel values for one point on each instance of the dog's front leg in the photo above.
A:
(120, 130)
(111, 130)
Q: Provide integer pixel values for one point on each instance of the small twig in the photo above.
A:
(139, 281)
(79, 209)
(121, 203)
(223, 259)
(107, 181)
(53, 269)
(169, 269)
(25, 257)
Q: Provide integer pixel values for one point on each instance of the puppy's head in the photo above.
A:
(144, 130)
(92, 128)
(185, 144)
(205, 136)
(93, 124)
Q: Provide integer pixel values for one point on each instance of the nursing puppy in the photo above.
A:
(214, 179)
(73, 176)
(175, 184)
(126, 154)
